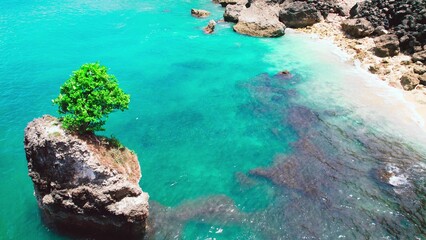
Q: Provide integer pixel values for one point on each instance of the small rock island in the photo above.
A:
(85, 184)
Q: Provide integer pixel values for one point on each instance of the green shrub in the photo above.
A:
(88, 96)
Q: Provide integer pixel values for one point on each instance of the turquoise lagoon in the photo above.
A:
(228, 150)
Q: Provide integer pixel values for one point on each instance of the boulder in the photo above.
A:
(357, 28)
(225, 3)
(299, 14)
(358, 8)
(419, 69)
(422, 78)
(200, 13)
(386, 45)
(409, 81)
(419, 56)
(259, 21)
(405, 18)
(210, 27)
(85, 184)
(233, 12)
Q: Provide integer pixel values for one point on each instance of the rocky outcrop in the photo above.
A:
(85, 184)
(225, 3)
(299, 14)
(260, 15)
(407, 18)
(233, 12)
(419, 69)
(210, 27)
(357, 28)
(200, 13)
(420, 56)
(260, 21)
(386, 45)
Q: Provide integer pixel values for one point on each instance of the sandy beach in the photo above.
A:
(388, 69)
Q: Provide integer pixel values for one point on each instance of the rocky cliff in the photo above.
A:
(269, 18)
(85, 185)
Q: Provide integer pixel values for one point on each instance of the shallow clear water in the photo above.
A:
(227, 149)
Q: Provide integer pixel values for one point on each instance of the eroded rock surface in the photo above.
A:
(386, 45)
(409, 81)
(85, 185)
(210, 27)
(232, 12)
(299, 14)
(420, 56)
(406, 18)
(200, 13)
(357, 28)
(259, 20)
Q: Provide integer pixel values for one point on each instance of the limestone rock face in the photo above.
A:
(86, 185)
(358, 28)
(386, 45)
(260, 21)
(299, 14)
(200, 13)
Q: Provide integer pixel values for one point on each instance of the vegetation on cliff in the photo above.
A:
(88, 97)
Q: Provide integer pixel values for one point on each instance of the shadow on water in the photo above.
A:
(342, 179)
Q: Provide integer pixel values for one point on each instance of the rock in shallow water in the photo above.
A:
(210, 27)
(200, 13)
(233, 12)
(260, 21)
(85, 185)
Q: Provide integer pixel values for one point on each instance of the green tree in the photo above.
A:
(88, 96)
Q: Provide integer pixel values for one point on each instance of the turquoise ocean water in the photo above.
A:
(228, 150)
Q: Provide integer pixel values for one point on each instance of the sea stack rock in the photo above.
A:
(85, 184)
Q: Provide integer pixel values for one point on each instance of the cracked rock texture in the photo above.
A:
(85, 185)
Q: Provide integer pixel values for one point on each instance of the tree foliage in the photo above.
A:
(88, 96)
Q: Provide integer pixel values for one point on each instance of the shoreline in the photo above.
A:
(358, 53)
(388, 70)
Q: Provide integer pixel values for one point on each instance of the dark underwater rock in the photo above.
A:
(168, 223)
(85, 184)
